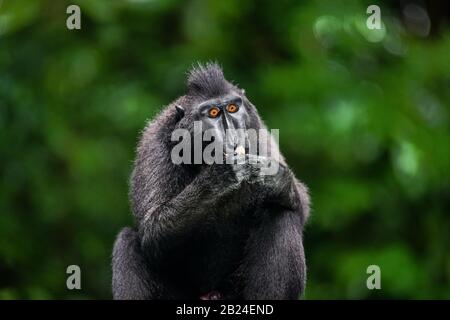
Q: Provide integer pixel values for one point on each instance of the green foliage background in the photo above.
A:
(363, 118)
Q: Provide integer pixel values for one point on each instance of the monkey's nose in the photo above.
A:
(231, 140)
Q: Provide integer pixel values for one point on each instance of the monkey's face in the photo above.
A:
(227, 117)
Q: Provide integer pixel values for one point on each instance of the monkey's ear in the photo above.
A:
(180, 112)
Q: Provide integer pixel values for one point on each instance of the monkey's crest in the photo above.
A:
(207, 81)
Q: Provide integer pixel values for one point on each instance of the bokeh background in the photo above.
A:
(363, 118)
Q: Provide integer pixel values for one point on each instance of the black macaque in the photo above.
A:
(210, 231)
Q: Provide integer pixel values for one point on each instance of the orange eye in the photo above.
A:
(232, 108)
(213, 112)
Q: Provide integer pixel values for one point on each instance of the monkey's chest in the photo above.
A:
(212, 255)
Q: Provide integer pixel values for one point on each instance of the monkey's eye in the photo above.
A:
(213, 112)
(232, 108)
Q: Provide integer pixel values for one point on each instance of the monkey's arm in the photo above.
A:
(282, 189)
(168, 222)
(274, 265)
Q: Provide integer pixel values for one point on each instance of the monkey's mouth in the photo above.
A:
(240, 150)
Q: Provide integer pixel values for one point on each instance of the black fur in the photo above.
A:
(200, 228)
(207, 81)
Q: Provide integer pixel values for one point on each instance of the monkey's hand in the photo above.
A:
(169, 221)
(273, 180)
(213, 295)
(280, 187)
